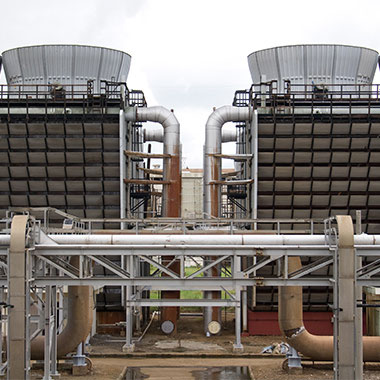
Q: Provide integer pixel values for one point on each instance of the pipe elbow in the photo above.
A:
(130, 113)
(223, 115)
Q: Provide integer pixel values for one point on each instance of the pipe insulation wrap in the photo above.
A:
(213, 145)
(259, 240)
(162, 116)
(229, 136)
(171, 200)
(153, 135)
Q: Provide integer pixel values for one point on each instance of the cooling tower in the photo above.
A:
(65, 64)
(313, 64)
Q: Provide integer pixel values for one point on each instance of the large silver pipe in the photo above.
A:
(172, 171)
(257, 240)
(213, 146)
(290, 241)
(171, 195)
(153, 135)
(123, 166)
(229, 136)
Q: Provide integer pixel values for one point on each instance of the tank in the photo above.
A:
(65, 64)
(314, 65)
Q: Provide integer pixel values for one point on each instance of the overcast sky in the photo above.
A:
(189, 55)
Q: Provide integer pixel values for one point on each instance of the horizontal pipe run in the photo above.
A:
(212, 283)
(198, 241)
(168, 240)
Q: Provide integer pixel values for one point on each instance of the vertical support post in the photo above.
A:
(129, 346)
(47, 341)
(53, 368)
(18, 366)
(244, 302)
(358, 310)
(335, 313)
(237, 347)
(347, 343)
(1, 332)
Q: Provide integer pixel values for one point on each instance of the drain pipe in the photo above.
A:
(213, 172)
(171, 197)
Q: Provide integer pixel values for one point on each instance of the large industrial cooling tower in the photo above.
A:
(65, 64)
(319, 64)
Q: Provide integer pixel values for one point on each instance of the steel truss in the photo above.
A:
(48, 268)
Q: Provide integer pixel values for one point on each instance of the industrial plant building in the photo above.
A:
(92, 227)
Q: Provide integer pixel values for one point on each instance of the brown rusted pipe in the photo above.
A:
(212, 172)
(316, 347)
(78, 324)
(171, 200)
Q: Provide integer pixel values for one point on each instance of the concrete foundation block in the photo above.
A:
(80, 370)
(129, 348)
(295, 370)
(238, 348)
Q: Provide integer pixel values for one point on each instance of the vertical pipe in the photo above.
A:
(255, 152)
(122, 166)
(123, 172)
(171, 201)
(212, 172)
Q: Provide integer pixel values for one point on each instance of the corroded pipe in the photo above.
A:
(316, 347)
(171, 199)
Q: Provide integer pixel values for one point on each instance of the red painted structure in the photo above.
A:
(316, 322)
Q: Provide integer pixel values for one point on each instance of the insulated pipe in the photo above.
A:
(78, 325)
(290, 319)
(213, 145)
(171, 197)
(123, 167)
(296, 241)
(213, 172)
(172, 169)
(229, 136)
(153, 135)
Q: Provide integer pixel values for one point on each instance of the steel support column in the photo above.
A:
(18, 365)
(347, 339)
(129, 346)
